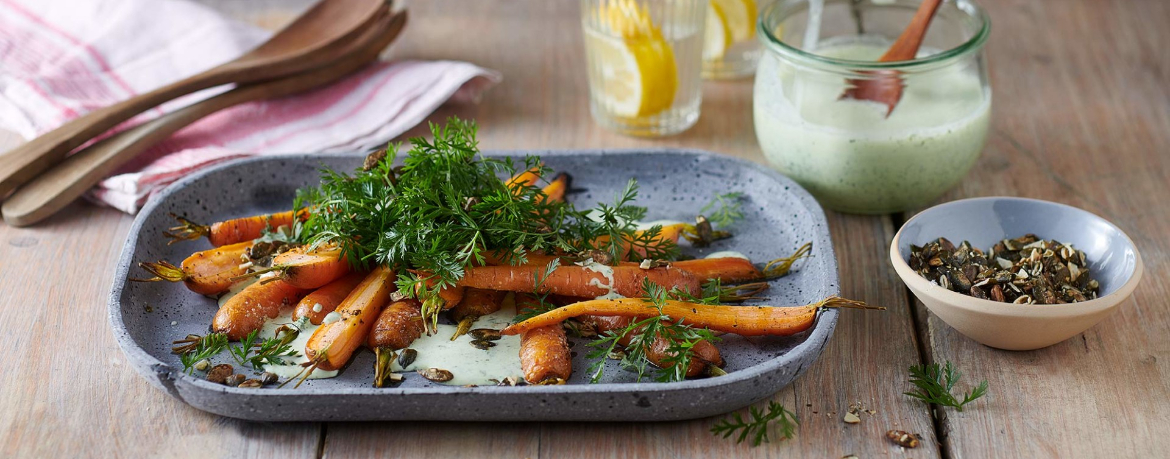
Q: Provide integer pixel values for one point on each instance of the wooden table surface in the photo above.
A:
(1081, 116)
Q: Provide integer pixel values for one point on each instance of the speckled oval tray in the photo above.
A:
(779, 217)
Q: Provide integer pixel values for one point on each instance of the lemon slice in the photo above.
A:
(740, 17)
(633, 63)
(718, 35)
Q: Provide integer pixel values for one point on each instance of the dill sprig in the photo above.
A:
(934, 385)
(756, 426)
(268, 352)
(195, 350)
(641, 336)
(724, 209)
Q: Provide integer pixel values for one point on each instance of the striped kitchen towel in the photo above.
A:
(59, 60)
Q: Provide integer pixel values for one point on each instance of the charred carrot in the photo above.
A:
(731, 270)
(741, 320)
(545, 356)
(556, 189)
(705, 353)
(333, 343)
(256, 303)
(231, 231)
(669, 233)
(578, 281)
(397, 326)
(526, 178)
(208, 272)
(324, 300)
(307, 269)
(476, 303)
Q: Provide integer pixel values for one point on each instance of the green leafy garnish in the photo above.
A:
(542, 304)
(724, 209)
(934, 385)
(445, 207)
(642, 334)
(200, 348)
(756, 426)
(268, 352)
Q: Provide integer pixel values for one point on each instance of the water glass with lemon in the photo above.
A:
(730, 48)
(644, 59)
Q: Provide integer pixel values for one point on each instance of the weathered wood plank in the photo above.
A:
(1086, 123)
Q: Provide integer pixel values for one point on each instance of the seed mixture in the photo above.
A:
(1023, 270)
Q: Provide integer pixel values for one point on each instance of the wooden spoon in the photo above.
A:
(53, 190)
(886, 85)
(310, 41)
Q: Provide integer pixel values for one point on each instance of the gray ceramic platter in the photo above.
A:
(675, 184)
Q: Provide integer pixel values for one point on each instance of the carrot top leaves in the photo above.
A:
(724, 209)
(446, 204)
(934, 384)
(642, 333)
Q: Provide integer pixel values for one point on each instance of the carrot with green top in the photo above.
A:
(589, 281)
(232, 231)
(545, 357)
(315, 306)
(305, 268)
(705, 359)
(741, 320)
(208, 272)
(398, 325)
(476, 303)
(248, 310)
(333, 343)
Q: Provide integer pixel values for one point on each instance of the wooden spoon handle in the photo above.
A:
(67, 181)
(24, 162)
(906, 47)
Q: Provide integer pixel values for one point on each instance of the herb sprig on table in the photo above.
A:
(934, 385)
(756, 426)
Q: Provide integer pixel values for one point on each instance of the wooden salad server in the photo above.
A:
(312, 40)
(886, 85)
(53, 190)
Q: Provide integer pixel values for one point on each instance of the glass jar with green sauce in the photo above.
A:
(855, 155)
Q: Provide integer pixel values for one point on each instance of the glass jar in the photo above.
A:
(860, 156)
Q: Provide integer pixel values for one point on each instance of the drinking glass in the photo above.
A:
(644, 59)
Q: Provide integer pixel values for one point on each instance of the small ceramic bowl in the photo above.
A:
(1112, 257)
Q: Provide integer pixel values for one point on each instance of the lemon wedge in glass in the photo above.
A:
(739, 18)
(634, 64)
(718, 34)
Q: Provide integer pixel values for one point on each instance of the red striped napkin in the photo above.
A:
(62, 59)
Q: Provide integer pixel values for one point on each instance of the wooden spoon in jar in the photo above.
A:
(886, 85)
(312, 40)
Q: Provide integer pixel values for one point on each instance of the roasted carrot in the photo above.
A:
(208, 272)
(704, 353)
(741, 320)
(578, 281)
(397, 326)
(231, 231)
(669, 233)
(324, 300)
(555, 190)
(247, 311)
(545, 356)
(523, 179)
(308, 269)
(333, 343)
(476, 303)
